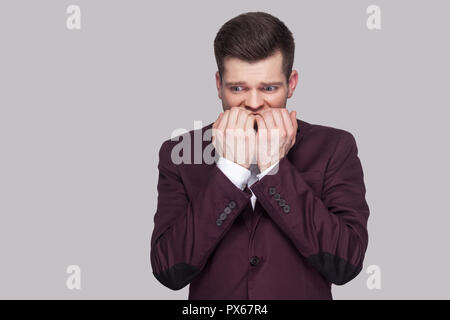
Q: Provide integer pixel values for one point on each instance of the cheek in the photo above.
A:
(231, 99)
(277, 100)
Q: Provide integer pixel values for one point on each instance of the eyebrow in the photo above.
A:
(240, 83)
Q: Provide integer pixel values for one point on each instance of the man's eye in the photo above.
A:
(236, 89)
(270, 88)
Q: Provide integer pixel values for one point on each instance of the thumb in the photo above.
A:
(293, 115)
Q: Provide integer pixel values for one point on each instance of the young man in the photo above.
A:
(277, 216)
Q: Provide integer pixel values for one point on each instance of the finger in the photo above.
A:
(261, 139)
(217, 135)
(290, 130)
(241, 119)
(249, 122)
(216, 123)
(262, 129)
(224, 120)
(215, 126)
(293, 115)
(250, 138)
(279, 123)
(268, 119)
(271, 128)
(232, 118)
(260, 122)
(221, 132)
(242, 138)
(287, 122)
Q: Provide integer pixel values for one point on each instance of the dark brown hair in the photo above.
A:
(254, 36)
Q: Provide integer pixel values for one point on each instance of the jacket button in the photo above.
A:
(227, 210)
(282, 202)
(277, 196)
(286, 209)
(219, 222)
(254, 260)
(223, 216)
(272, 191)
(232, 204)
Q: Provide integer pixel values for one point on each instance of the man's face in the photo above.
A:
(255, 86)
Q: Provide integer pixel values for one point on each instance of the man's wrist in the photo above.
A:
(265, 170)
(236, 173)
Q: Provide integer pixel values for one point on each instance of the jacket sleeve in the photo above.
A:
(330, 231)
(186, 231)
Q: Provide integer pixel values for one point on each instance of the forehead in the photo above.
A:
(268, 69)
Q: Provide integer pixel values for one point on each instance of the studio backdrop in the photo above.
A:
(89, 90)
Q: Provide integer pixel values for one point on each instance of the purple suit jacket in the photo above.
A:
(308, 230)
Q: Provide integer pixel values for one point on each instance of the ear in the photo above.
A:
(293, 80)
(219, 85)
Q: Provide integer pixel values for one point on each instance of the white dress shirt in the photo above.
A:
(241, 176)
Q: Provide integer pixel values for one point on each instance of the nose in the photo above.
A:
(254, 101)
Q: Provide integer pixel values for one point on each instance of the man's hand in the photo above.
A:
(277, 128)
(234, 136)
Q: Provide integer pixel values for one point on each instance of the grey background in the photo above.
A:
(83, 114)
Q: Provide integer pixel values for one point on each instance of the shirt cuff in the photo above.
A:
(262, 174)
(234, 172)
